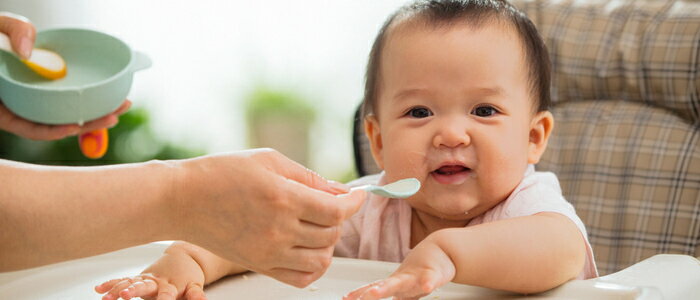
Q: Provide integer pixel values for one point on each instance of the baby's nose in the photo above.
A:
(451, 134)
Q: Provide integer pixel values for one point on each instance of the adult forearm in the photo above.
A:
(527, 254)
(51, 214)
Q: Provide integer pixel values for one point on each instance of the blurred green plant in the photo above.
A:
(132, 140)
(280, 119)
(264, 101)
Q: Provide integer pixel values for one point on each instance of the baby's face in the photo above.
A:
(455, 111)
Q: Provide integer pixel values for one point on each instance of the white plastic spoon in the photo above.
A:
(403, 188)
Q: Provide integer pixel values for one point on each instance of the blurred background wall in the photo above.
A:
(211, 59)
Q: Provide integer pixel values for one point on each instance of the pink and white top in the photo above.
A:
(381, 229)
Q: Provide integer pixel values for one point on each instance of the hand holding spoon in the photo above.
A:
(45, 63)
(403, 188)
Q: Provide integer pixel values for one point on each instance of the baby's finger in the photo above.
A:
(407, 286)
(194, 292)
(392, 286)
(359, 292)
(113, 293)
(107, 285)
(167, 291)
(145, 288)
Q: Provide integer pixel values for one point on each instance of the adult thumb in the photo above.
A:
(353, 201)
(20, 31)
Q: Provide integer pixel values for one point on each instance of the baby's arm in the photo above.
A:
(525, 254)
(182, 272)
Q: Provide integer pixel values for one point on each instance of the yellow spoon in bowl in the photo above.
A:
(50, 65)
(46, 63)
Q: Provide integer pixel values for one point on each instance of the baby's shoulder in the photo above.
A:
(537, 192)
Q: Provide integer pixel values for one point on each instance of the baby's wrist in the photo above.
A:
(441, 255)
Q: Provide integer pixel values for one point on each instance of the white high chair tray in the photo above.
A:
(660, 277)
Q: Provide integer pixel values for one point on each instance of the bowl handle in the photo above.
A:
(140, 61)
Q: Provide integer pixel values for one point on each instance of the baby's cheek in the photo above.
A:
(400, 162)
(501, 180)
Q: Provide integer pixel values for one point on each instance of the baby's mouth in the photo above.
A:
(451, 174)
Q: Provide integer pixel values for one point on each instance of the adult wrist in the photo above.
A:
(167, 209)
(182, 188)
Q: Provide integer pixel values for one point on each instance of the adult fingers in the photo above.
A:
(124, 107)
(194, 292)
(307, 260)
(292, 170)
(25, 128)
(294, 278)
(314, 236)
(20, 31)
(322, 209)
(107, 121)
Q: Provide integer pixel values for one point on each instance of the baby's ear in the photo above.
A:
(540, 130)
(375, 138)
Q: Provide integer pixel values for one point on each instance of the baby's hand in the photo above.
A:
(175, 275)
(147, 286)
(425, 268)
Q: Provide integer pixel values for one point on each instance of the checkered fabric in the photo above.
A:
(641, 51)
(633, 173)
(626, 143)
(631, 170)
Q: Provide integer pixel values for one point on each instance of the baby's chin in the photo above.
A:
(449, 208)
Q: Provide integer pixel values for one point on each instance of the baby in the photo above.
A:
(457, 94)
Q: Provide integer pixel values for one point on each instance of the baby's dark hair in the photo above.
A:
(475, 13)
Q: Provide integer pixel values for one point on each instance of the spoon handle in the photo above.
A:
(366, 187)
(94, 144)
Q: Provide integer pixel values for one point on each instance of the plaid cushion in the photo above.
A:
(633, 174)
(641, 51)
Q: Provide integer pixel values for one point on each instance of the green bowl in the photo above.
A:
(100, 70)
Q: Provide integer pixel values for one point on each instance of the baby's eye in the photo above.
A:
(484, 111)
(419, 112)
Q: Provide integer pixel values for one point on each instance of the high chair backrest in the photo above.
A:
(626, 142)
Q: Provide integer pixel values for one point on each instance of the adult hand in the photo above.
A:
(264, 212)
(22, 34)
(36, 131)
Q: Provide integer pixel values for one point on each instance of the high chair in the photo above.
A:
(626, 149)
